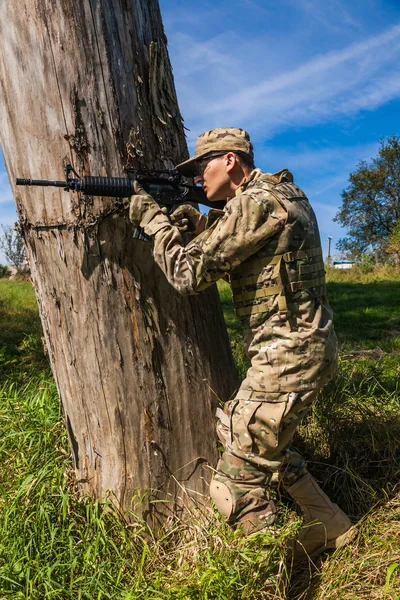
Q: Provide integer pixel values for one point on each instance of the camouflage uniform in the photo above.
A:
(266, 242)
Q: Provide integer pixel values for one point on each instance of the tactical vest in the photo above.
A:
(290, 261)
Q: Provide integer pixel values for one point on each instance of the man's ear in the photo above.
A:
(230, 161)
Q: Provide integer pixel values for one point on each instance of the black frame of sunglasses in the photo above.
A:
(198, 165)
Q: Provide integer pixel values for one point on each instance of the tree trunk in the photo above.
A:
(137, 366)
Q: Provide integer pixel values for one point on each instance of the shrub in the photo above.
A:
(3, 271)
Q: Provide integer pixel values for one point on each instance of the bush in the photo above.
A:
(393, 247)
(12, 244)
(3, 271)
(367, 263)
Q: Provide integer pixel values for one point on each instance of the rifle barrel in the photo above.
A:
(42, 182)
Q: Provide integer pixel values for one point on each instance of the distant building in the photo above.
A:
(344, 264)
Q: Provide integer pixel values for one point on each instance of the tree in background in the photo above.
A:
(12, 244)
(371, 203)
(393, 247)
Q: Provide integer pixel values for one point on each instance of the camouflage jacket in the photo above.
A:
(266, 241)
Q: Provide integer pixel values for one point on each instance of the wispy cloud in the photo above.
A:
(193, 57)
(388, 42)
(287, 70)
(340, 83)
(331, 15)
(8, 214)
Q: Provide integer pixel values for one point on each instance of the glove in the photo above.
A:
(142, 206)
(188, 218)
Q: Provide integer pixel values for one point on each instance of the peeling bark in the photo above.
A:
(137, 366)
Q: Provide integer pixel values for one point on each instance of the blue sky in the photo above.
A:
(315, 82)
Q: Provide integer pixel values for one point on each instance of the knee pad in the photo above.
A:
(222, 497)
(251, 510)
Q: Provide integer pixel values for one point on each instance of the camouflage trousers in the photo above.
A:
(257, 438)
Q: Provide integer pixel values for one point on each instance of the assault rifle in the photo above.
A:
(168, 188)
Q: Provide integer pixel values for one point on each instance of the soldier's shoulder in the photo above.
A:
(281, 183)
(267, 188)
(258, 194)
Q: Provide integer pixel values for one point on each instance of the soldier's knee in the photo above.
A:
(222, 497)
(246, 506)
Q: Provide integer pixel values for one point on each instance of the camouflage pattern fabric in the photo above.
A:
(266, 241)
(215, 140)
(257, 438)
(292, 350)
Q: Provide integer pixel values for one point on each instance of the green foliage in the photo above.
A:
(367, 315)
(393, 248)
(371, 203)
(352, 435)
(234, 329)
(351, 438)
(56, 545)
(366, 263)
(386, 272)
(21, 349)
(12, 244)
(3, 271)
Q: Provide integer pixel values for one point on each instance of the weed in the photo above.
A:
(21, 349)
(3, 271)
(55, 545)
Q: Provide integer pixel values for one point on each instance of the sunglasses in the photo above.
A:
(200, 167)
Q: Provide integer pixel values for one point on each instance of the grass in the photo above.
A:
(56, 545)
(352, 437)
(21, 350)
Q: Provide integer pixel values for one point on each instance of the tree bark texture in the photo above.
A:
(138, 367)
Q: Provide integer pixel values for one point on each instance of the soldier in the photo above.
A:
(266, 241)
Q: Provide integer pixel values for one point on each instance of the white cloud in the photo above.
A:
(249, 64)
(5, 197)
(333, 14)
(192, 57)
(8, 213)
(337, 84)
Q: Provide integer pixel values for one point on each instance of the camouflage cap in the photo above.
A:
(230, 139)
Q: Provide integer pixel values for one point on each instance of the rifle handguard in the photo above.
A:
(115, 187)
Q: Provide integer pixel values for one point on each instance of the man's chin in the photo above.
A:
(212, 197)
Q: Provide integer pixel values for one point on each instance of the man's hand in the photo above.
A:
(187, 218)
(142, 206)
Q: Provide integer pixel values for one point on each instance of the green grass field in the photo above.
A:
(55, 545)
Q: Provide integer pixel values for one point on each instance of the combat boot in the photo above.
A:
(325, 527)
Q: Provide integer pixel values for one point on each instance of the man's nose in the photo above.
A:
(198, 179)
